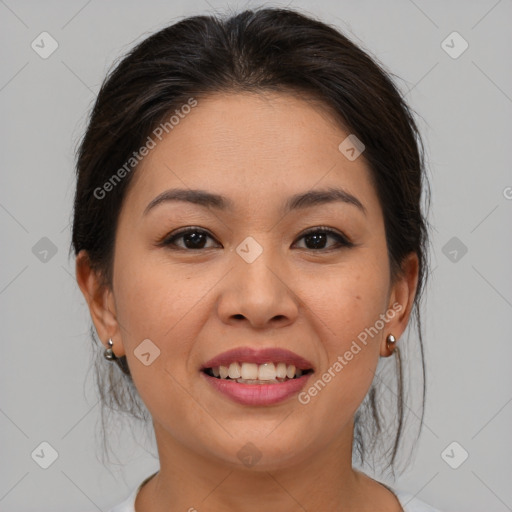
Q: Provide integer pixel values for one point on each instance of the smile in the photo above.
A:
(257, 376)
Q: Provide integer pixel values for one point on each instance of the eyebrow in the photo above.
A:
(295, 202)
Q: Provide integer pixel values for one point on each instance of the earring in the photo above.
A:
(391, 342)
(109, 353)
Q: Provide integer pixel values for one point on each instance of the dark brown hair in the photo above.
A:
(265, 49)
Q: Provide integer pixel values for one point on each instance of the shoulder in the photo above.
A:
(128, 505)
(412, 504)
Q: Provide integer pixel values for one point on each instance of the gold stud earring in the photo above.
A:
(391, 342)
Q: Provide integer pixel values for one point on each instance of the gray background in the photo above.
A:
(47, 392)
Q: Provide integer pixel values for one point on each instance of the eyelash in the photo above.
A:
(343, 241)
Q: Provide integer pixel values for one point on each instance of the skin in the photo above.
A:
(256, 149)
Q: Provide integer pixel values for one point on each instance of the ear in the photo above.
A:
(101, 303)
(401, 300)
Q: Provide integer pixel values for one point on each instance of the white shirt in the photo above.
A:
(408, 502)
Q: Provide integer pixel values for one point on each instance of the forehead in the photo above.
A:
(253, 147)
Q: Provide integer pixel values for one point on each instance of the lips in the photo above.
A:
(258, 356)
(256, 392)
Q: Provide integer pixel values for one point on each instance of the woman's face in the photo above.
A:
(247, 277)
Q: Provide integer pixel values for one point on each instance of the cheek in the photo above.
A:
(347, 307)
(152, 298)
(158, 302)
(349, 299)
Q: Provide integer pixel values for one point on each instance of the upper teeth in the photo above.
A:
(253, 371)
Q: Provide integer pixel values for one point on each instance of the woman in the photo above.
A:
(250, 240)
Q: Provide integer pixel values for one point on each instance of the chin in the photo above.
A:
(259, 452)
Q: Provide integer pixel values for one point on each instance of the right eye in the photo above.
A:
(194, 238)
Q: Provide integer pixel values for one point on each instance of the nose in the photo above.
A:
(258, 293)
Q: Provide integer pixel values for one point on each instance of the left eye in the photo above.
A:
(318, 237)
(195, 238)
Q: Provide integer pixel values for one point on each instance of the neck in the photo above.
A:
(190, 481)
